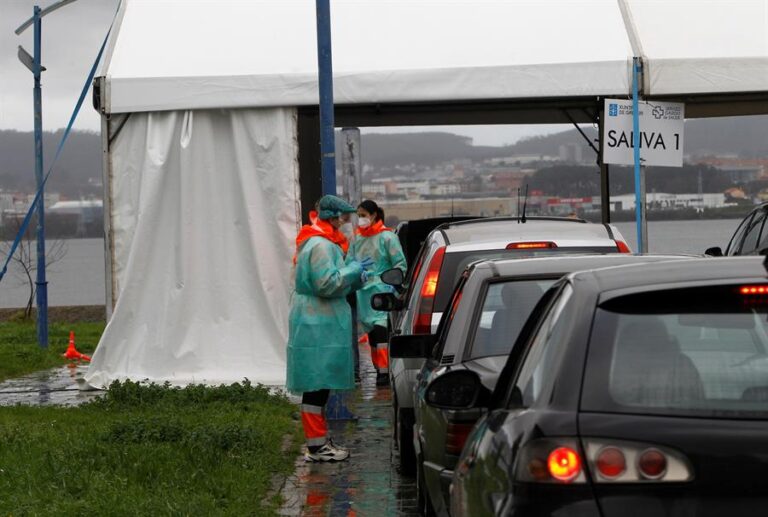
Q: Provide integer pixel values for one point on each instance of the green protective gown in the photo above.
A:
(320, 354)
(385, 251)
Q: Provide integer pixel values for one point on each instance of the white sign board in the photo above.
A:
(661, 133)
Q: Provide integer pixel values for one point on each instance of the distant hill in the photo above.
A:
(81, 159)
(744, 136)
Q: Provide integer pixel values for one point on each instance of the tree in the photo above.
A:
(25, 259)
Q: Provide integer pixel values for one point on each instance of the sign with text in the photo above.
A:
(661, 133)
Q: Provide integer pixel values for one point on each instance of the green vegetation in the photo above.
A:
(148, 450)
(20, 353)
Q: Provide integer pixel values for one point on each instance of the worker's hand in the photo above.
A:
(364, 276)
(366, 263)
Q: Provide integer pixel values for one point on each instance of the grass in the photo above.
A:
(20, 353)
(148, 450)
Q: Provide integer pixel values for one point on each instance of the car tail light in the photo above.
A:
(551, 460)
(753, 289)
(456, 436)
(614, 461)
(652, 464)
(531, 245)
(622, 246)
(564, 464)
(423, 323)
(562, 460)
(610, 462)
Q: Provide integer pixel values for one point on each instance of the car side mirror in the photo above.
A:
(458, 389)
(393, 277)
(714, 251)
(416, 346)
(387, 302)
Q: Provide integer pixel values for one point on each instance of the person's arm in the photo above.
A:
(330, 277)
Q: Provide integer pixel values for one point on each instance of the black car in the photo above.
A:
(751, 236)
(631, 391)
(487, 310)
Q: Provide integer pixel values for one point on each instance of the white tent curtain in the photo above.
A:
(204, 213)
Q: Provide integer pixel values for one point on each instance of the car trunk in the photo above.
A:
(728, 461)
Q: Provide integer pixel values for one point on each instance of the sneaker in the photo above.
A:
(328, 452)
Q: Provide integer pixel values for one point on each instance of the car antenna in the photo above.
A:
(525, 203)
(518, 205)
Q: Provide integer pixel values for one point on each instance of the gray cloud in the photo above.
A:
(71, 39)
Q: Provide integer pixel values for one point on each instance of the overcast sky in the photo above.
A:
(72, 36)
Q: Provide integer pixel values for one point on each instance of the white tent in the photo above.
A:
(210, 135)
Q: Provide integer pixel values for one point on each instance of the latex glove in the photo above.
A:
(366, 263)
(390, 289)
(364, 276)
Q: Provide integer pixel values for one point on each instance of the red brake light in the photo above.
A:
(423, 323)
(652, 464)
(564, 464)
(430, 284)
(753, 289)
(456, 437)
(622, 246)
(611, 462)
(531, 245)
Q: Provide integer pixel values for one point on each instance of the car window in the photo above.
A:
(699, 351)
(738, 236)
(505, 309)
(455, 262)
(752, 233)
(536, 375)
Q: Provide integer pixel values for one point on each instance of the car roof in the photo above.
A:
(569, 263)
(673, 272)
(496, 233)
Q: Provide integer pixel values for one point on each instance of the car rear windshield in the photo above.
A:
(455, 263)
(506, 308)
(699, 351)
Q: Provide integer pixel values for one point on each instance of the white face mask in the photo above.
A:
(346, 229)
(363, 222)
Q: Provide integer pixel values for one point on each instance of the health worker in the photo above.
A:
(380, 244)
(320, 324)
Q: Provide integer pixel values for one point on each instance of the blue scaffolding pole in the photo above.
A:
(325, 80)
(337, 403)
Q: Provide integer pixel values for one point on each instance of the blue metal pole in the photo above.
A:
(641, 246)
(325, 79)
(41, 283)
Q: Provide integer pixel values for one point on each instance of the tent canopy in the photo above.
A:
(227, 53)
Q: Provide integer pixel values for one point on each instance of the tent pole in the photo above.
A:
(325, 80)
(605, 190)
(639, 185)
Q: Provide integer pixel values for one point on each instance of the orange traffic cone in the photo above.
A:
(72, 354)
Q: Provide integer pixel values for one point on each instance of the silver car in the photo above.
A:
(444, 255)
(488, 310)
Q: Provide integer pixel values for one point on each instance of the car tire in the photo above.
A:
(423, 502)
(405, 442)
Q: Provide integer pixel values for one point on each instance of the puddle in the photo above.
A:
(58, 386)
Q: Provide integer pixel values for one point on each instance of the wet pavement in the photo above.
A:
(58, 386)
(368, 483)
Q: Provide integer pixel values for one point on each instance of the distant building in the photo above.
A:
(662, 201)
(570, 153)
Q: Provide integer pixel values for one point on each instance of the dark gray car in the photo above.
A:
(487, 310)
(633, 391)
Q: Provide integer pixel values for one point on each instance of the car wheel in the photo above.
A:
(423, 501)
(405, 443)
